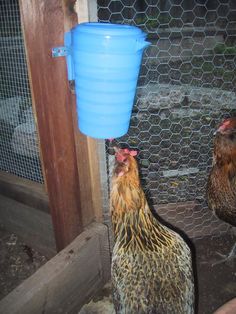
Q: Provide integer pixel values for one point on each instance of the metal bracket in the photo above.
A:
(66, 51)
(60, 52)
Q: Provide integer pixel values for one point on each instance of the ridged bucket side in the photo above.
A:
(105, 88)
(106, 63)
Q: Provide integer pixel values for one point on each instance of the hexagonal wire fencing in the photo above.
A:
(186, 87)
(19, 151)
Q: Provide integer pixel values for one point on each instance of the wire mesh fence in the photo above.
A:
(19, 152)
(186, 87)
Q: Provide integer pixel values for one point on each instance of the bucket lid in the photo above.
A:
(108, 29)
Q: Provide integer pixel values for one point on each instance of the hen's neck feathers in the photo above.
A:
(133, 223)
(225, 149)
(224, 157)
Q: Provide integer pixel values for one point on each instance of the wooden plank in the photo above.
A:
(86, 10)
(24, 191)
(94, 162)
(43, 25)
(82, 155)
(67, 281)
(33, 226)
(86, 148)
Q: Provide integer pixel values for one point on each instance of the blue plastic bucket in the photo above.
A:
(105, 62)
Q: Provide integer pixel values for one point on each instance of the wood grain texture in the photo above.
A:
(95, 178)
(86, 10)
(43, 25)
(68, 280)
(24, 191)
(86, 147)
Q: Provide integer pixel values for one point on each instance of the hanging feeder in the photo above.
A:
(104, 60)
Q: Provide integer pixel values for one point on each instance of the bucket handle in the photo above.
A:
(142, 44)
(69, 57)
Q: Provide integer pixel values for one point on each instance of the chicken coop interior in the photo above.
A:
(55, 182)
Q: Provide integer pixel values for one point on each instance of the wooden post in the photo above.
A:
(43, 25)
(86, 148)
(86, 10)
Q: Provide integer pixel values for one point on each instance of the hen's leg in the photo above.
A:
(226, 258)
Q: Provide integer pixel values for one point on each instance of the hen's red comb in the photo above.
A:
(225, 125)
(130, 152)
(120, 153)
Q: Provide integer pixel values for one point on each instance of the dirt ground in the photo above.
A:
(17, 261)
(216, 284)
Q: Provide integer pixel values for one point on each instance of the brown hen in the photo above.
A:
(221, 187)
(151, 264)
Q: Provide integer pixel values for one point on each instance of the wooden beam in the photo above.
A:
(94, 160)
(24, 191)
(68, 280)
(86, 147)
(43, 25)
(86, 10)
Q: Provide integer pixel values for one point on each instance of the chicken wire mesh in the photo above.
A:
(19, 153)
(186, 87)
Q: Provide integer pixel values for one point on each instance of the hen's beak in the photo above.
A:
(116, 149)
(218, 130)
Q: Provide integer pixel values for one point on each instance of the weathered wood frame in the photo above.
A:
(24, 191)
(71, 167)
(69, 159)
(68, 280)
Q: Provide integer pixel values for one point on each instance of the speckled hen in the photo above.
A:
(151, 264)
(221, 187)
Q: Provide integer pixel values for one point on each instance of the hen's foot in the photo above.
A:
(226, 258)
